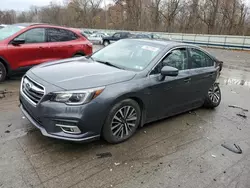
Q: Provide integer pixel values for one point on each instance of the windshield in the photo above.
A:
(8, 31)
(128, 54)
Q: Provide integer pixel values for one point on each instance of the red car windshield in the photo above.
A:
(9, 31)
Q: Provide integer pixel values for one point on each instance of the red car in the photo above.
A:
(25, 45)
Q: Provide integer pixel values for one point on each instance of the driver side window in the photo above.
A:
(36, 35)
(177, 58)
(117, 35)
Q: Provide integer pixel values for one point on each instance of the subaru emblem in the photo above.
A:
(28, 86)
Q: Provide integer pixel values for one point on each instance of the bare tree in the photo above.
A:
(187, 16)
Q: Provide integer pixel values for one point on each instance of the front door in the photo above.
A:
(116, 37)
(170, 95)
(30, 53)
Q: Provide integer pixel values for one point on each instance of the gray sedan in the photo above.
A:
(118, 89)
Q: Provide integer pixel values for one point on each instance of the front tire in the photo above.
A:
(106, 43)
(122, 121)
(213, 97)
(3, 72)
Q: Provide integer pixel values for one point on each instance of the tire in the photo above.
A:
(78, 55)
(117, 129)
(3, 72)
(213, 97)
(106, 43)
(220, 69)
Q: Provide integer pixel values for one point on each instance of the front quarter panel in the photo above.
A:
(137, 89)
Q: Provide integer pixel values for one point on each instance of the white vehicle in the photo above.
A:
(97, 38)
(2, 26)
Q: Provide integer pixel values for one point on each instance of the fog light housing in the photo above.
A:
(68, 127)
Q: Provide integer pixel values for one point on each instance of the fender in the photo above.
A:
(140, 102)
(6, 64)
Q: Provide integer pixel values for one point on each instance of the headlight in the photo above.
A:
(76, 97)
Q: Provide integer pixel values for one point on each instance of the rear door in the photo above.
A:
(203, 73)
(62, 43)
(32, 52)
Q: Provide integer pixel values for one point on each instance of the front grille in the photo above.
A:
(32, 90)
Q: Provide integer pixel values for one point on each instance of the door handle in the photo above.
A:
(40, 47)
(187, 80)
(208, 75)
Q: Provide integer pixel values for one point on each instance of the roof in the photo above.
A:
(158, 41)
(45, 25)
(163, 42)
(28, 24)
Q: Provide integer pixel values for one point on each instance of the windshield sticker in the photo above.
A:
(150, 48)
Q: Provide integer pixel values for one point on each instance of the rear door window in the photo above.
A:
(199, 59)
(60, 35)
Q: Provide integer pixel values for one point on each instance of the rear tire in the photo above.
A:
(78, 55)
(122, 121)
(213, 97)
(3, 72)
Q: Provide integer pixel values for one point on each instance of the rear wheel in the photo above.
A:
(3, 72)
(78, 55)
(213, 97)
(122, 121)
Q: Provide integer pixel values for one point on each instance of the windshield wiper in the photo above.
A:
(109, 64)
(90, 57)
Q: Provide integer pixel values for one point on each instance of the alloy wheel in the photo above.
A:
(124, 122)
(214, 94)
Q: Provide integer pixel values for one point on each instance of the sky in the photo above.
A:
(21, 5)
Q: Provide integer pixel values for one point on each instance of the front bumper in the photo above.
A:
(57, 119)
(78, 138)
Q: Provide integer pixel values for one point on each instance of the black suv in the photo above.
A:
(115, 37)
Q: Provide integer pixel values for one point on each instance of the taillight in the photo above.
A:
(90, 45)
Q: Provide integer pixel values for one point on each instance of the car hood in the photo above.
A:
(80, 73)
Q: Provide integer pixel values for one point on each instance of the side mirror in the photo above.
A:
(17, 41)
(168, 71)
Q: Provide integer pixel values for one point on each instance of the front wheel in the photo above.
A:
(122, 121)
(106, 43)
(213, 97)
(3, 72)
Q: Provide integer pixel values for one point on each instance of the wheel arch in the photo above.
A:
(79, 53)
(6, 64)
(105, 40)
(137, 99)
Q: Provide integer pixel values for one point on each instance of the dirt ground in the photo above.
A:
(182, 151)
